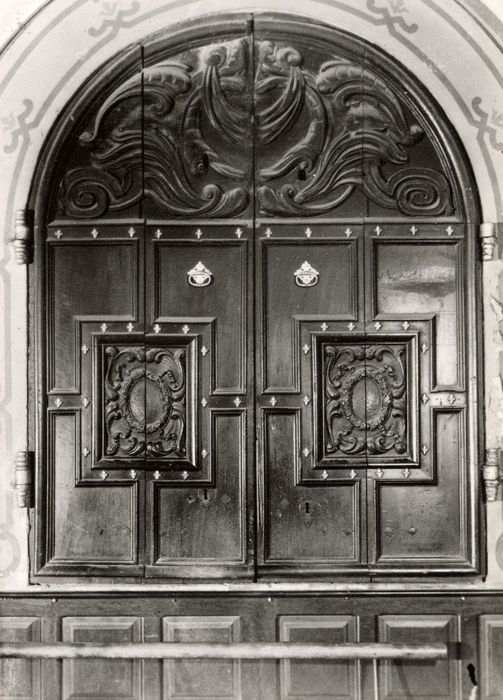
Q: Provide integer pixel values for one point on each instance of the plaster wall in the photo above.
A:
(455, 47)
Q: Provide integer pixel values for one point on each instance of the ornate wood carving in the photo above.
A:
(145, 402)
(365, 391)
(179, 134)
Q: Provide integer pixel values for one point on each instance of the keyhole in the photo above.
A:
(205, 494)
(308, 507)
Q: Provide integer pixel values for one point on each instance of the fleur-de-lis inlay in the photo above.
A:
(199, 233)
(351, 326)
(324, 326)
(306, 349)
(424, 348)
(103, 475)
(95, 233)
(449, 230)
(157, 328)
(185, 329)
(348, 232)
(306, 400)
(406, 472)
(185, 475)
(414, 230)
(158, 233)
(273, 401)
(85, 402)
(308, 232)
(425, 449)
(58, 403)
(157, 475)
(377, 325)
(204, 403)
(133, 473)
(451, 399)
(130, 327)
(84, 349)
(268, 233)
(204, 453)
(324, 475)
(405, 325)
(204, 351)
(58, 233)
(425, 398)
(104, 327)
(239, 232)
(379, 473)
(237, 401)
(131, 231)
(352, 474)
(378, 230)
(306, 451)
(86, 452)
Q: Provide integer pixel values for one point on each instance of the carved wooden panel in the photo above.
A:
(401, 680)
(20, 679)
(319, 680)
(210, 679)
(491, 657)
(98, 678)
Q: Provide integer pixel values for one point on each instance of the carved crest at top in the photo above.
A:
(180, 136)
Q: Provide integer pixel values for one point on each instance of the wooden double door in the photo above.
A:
(257, 321)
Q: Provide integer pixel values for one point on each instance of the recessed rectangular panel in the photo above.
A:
(20, 678)
(95, 279)
(426, 279)
(289, 292)
(183, 294)
(431, 680)
(95, 679)
(491, 657)
(211, 679)
(319, 680)
(305, 524)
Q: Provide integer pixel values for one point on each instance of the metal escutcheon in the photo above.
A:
(306, 275)
(200, 276)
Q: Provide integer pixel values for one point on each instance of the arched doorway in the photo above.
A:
(256, 294)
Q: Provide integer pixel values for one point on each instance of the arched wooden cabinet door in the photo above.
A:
(260, 307)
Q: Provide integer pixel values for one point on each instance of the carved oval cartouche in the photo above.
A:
(145, 401)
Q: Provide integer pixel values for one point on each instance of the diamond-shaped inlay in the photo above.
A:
(425, 449)
(158, 233)
(379, 473)
(185, 329)
(86, 452)
(237, 401)
(306, 400)
(104, 327)
(95, 233)
(324, 475)
(378, 230)
(449, 230)
(204, 453)
(405, 325)
(103, 475)
(268, 233)
(352, 474)
(348, 232)
(133, 473)
(306, 349)
(84, 349)
(204, 403)
(131, 231)
(58, 403)
(239, 232)
(157, 328)
(157, 475)
(130, 327)
(58, 233)
(406, 472)
(204, 351)
(414, 230)
(273, 401)
(351, 326)
(308, 232)
(306, 451)
(199, 233)
(451, 399)
(85, 402)
(425, 398)
(185, 475)
(377, 325)
(424, 348)
(324, 326)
